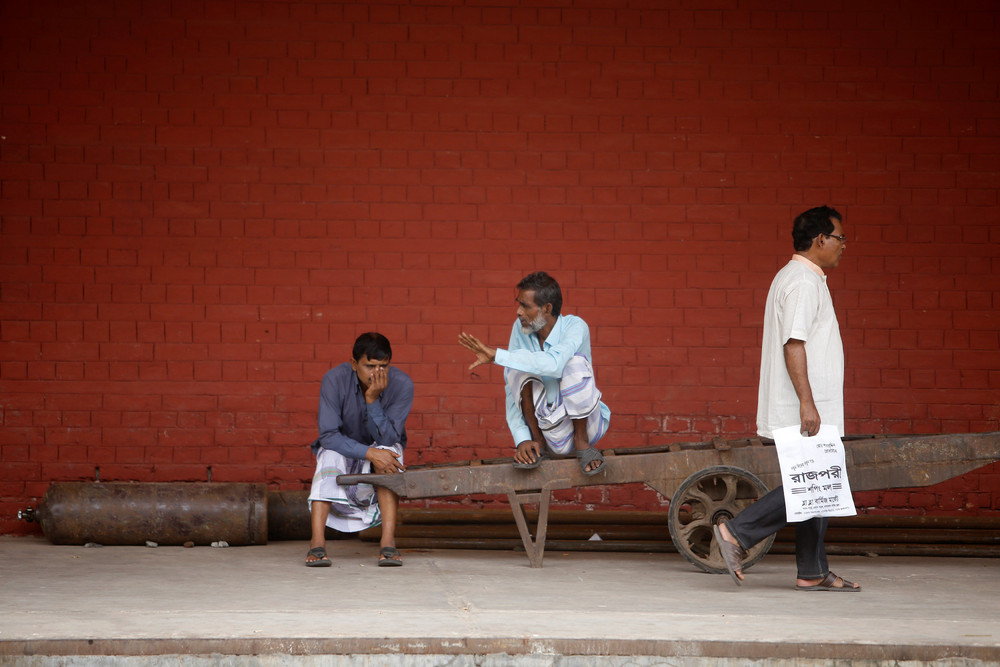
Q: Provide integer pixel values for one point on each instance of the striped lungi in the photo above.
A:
(578, 398)
(352, 508)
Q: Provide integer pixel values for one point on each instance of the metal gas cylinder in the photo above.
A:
(288, 515)
(129, 513)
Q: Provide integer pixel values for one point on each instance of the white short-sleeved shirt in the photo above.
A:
(799, 306)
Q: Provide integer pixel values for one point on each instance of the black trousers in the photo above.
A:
(767, 516)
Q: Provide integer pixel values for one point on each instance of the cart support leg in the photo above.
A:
(534, 548)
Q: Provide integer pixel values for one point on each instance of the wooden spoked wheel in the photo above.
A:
(706, 498)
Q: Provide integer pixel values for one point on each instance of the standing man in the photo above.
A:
(552, 400)
(363, 407)
(801, 383)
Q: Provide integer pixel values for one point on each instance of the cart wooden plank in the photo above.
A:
(873, 462)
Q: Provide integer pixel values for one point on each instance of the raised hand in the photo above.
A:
(484, 353)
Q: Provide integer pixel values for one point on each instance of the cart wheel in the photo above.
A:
(709, 497)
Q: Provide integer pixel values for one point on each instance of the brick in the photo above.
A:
(237, 229)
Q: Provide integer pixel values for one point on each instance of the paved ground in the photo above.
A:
(138, 601)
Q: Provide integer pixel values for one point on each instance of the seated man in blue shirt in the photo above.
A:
(363, 407)
(552, 400)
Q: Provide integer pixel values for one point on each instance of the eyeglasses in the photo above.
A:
(842, 239)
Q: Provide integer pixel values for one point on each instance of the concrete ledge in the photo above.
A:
(482, 647)
(137, 607)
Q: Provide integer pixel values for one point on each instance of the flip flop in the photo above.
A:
(828, 585)
(542, 456)
(389, 557)
(320, 553)
(732, 555)
(585, 456)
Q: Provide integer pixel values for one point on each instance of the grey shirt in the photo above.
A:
(349, 425)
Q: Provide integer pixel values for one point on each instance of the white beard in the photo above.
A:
(534, 326)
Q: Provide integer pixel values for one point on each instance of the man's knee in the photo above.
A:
(577, 388)
(578, 364)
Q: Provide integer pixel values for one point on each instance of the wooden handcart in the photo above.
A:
(707, 482)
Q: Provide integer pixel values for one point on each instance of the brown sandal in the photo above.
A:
(828, 585)
(732, 555)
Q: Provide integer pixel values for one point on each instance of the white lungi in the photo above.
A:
(578, 398)
(352, 508)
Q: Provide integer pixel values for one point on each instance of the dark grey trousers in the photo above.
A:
(767, 516)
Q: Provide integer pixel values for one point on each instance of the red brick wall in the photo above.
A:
(203, 203)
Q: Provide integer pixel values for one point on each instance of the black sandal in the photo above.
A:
(542, 456)
(586, 456)
(389, 557)
(321, 559)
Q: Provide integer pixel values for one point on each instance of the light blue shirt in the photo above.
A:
(569, 336)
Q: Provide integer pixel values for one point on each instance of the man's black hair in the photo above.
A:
(373, 345)
(546, 290)
(812, 223)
